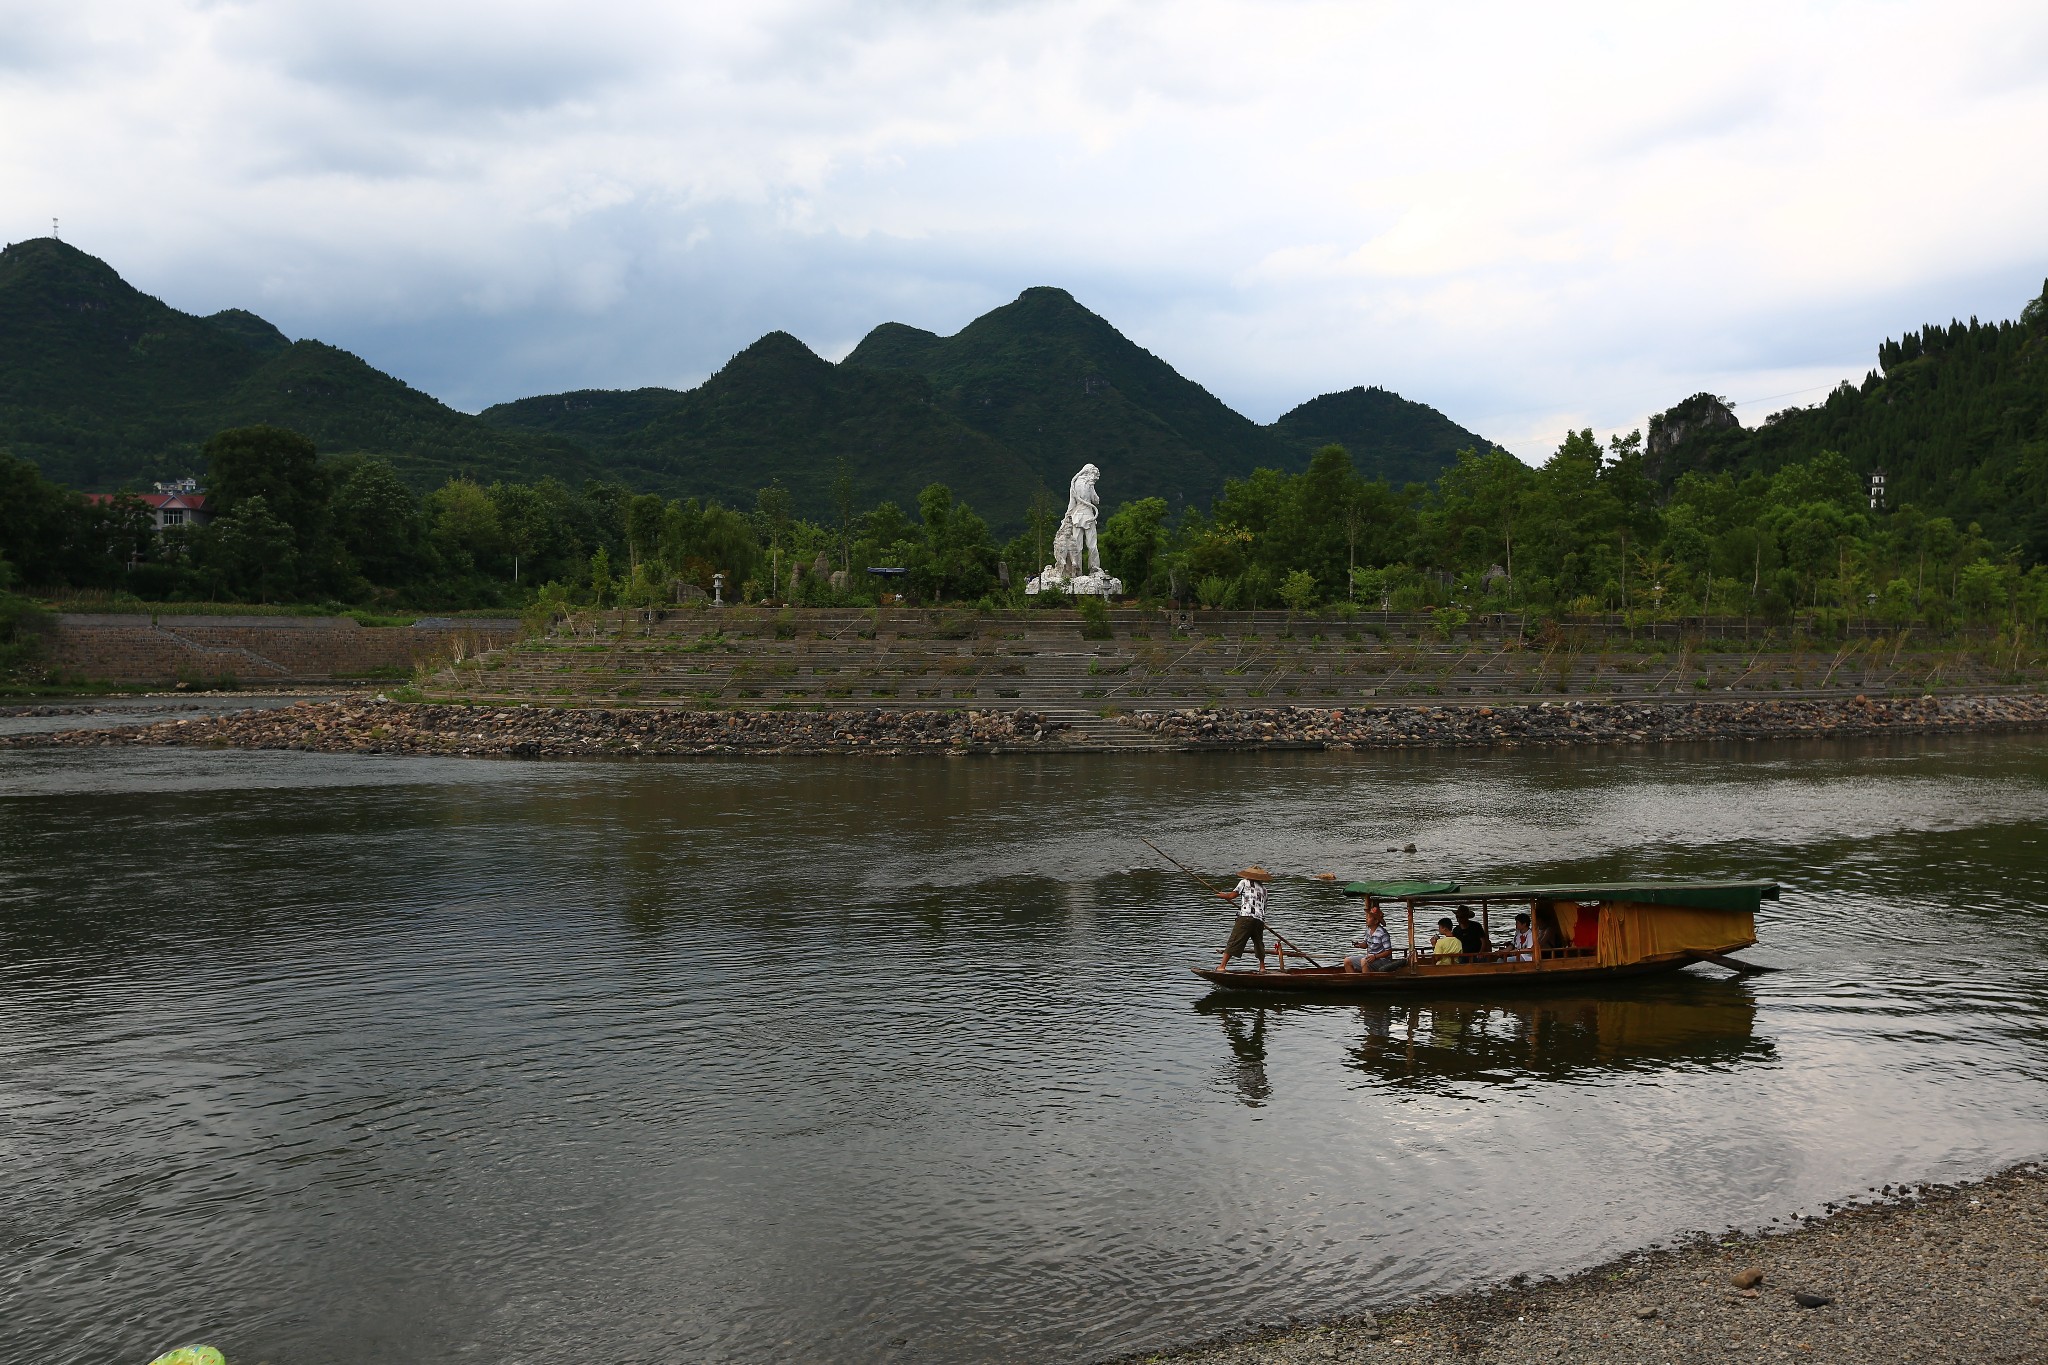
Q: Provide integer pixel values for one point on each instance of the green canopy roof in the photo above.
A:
(1398, 891)
(1738, 896)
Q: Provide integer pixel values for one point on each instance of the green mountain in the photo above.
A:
(779, 411)
(104, 386)
(597, 419)
(1060, 386)
(1956, 417)
(1388, 436)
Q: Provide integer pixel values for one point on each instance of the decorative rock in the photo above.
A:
(1808, 1300)
(1748, 1279)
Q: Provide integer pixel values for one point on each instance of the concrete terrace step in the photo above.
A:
(864, 660)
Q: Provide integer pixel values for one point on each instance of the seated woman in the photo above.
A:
(1378, 944)
(1446, 945)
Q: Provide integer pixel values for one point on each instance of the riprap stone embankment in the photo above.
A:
(385, 727)
(527, 731)
(1591, 722)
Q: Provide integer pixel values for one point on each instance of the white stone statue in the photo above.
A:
(1076, 555)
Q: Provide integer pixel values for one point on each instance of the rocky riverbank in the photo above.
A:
(1593, 722)
(380, 726)
(386, 727)
(1937, 1276)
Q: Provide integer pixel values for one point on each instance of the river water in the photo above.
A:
(338, 1059)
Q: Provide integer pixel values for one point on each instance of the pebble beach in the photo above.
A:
(1935, 1275)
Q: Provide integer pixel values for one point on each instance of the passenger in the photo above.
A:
(1377, 942)
(1586, 927)
(1525, 939)
(1249, 928)
(1549, 937)
(1446, 945)
(1471, 932)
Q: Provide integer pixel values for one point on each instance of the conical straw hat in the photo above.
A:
(1255, 873)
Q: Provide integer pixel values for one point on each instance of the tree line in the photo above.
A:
(1586, 532)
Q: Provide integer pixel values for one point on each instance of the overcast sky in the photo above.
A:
(1533, 217)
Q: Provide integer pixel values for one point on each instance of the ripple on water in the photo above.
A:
(318, 1056)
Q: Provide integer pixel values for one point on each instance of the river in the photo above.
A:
(342, 1059)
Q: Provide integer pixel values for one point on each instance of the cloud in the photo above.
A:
(1527, 216)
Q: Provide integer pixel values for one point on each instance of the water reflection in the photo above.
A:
(1245, 1031)
(876, 1061)
(1686, 1021)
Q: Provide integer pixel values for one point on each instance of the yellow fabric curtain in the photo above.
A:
(1630, 932)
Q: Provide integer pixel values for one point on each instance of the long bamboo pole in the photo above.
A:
(1278, 937)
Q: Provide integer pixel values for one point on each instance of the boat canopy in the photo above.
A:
(1740, 897)
(1398, 891)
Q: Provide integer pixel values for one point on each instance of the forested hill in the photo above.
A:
(1058, 385)
(1956, 417)
(778, 411)
(1388, 436)
(103, 386)
(1015, 401)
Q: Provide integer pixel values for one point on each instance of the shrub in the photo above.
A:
(24, 627)
(1095, 619)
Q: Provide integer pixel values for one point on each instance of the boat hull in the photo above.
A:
(1451, 976)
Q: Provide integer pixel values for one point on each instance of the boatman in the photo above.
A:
(1249, 928)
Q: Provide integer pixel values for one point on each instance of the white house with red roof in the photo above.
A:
(181, 502)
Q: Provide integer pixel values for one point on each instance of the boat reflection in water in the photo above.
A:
(1675, 1023)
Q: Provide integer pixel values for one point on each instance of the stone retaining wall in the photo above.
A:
(256, 650)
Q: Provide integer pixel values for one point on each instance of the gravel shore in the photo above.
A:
(1593, 722)
(1929, 1276)
(386, 727)
(526, 731)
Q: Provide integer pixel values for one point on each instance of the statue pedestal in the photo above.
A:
(1097, 584)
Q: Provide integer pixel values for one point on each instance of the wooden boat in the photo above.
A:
(1634, 929)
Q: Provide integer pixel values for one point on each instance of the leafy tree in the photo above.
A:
(1483, 495)
(772, 505)
(280, 466)
(463, 523)
(378, 518)
(956, 556)
(1133, 539)
(525, 523)
(1983, 589)
(843, 509)
(644, 516)
(1299, 591)
(256, 550)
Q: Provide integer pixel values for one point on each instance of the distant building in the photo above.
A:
(180, 502)
(1875, 481)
